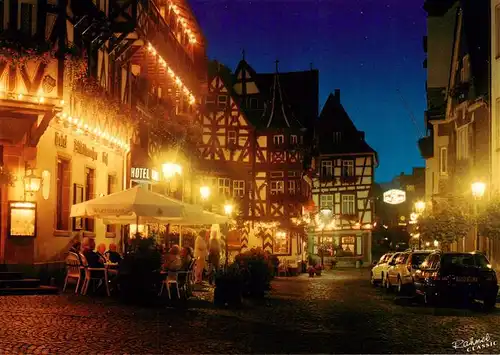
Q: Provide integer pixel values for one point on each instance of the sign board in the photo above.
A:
(394, 197)
(140, 174)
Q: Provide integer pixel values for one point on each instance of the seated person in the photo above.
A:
(93, 259)
(186, 257)
(113, 255)
(75, 249)
(173, 260)
(101, 251)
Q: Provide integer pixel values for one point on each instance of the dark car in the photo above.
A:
(445, 276)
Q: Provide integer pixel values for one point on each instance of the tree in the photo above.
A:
(489, 219)
(447, 222)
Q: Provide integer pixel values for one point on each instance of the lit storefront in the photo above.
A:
(57, 148)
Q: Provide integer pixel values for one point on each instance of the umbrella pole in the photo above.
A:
(137, 227)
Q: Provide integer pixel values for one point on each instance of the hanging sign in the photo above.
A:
(394, 197)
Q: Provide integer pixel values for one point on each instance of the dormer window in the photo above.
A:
(293, 139)
(337, 137)
(278, 139)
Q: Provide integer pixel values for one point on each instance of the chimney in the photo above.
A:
(337, 96)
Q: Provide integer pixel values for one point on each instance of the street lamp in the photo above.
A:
(419, 207)
(478, 189)
(228, 210)
(205, 192)
(171, 169)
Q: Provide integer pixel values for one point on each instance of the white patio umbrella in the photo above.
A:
(134, 205)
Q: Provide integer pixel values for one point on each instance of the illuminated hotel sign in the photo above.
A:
(140, 174)
(394, 197)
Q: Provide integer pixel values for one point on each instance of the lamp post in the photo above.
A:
(478, 189)
(228, 210)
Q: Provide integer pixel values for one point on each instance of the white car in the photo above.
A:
(401, 273)
(379, 270)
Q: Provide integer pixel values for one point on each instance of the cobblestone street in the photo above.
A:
(338, 312)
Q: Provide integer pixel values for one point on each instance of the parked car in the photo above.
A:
(380, 268)
(401, 275)
(445, 276)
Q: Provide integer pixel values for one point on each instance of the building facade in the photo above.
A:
(457, 147)
(342, 187)
(254, 144)
(81, 91)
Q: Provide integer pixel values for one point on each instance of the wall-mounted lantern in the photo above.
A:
(32, 183)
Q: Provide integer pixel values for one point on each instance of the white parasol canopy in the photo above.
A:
(138, 203)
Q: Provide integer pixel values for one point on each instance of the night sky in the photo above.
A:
(370, 49)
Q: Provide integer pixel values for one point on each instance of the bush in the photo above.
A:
(257, 269)
(140, 270)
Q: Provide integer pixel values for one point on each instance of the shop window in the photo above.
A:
(281, 244)
(89, 195)
(111, 188)
(63, 193)
(348, 245)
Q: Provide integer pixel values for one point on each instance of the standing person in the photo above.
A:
(200, 254)
(214, 257)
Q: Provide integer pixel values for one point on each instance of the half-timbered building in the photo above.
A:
(343, 180)
(253, 137)
(87, 90)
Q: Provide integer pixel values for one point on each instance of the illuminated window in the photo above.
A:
(277, 187)
(291, 187)
(326, 202)
(224, 186)
(348, 205)
(293, 139)
(63, 192)
(326, 168)
(348, 244)
(89, 195)
(348, 167)
(281, 244)
(238, 188)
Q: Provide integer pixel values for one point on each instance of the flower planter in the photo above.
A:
(318, 272)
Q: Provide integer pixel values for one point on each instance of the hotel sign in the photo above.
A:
(394, 197)
(61, 140)
(81, 148)
(140, 174)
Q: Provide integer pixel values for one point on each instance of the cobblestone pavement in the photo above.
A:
(338, 312)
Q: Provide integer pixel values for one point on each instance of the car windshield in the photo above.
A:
(418, 259)
(478, 260)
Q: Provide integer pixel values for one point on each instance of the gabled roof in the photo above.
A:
(334, 119)
(277, 112)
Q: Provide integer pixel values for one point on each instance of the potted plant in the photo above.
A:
(311, 271)
(318, 269)
(257, 271)
(228, 286)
